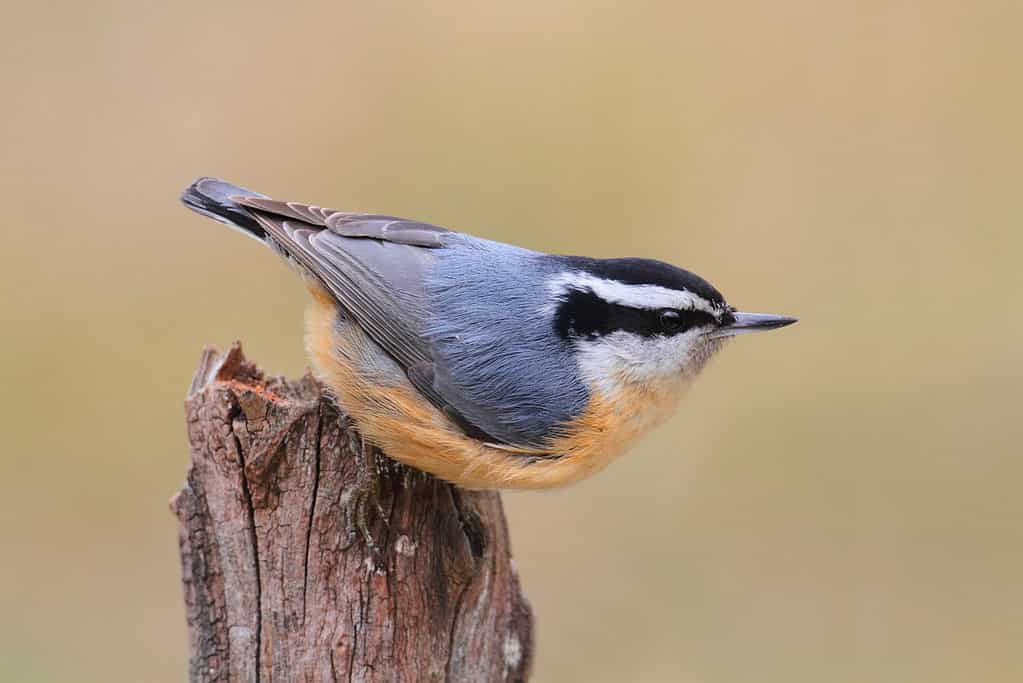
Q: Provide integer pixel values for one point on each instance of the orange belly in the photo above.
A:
(390, 414)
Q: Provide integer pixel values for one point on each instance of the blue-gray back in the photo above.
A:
(497, 358)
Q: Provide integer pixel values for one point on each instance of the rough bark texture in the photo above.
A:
(270, 590)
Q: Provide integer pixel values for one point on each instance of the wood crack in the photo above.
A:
(253, 538)
(312, 511)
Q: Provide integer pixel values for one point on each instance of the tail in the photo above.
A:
(212, 198)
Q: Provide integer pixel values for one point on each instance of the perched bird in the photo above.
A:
(485, 364)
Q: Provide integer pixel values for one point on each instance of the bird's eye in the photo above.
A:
(670, 320)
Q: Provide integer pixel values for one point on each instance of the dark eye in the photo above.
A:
(670, 320)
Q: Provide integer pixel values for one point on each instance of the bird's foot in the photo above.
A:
(366, 494)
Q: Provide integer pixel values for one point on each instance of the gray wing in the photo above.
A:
(346, 224)
(375, 267)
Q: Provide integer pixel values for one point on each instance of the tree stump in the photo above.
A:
(271, 591)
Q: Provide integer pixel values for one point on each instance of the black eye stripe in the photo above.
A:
(583, 314)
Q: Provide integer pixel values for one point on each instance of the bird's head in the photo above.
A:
(643, 321)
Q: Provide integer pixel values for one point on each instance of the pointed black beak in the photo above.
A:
(744, 323)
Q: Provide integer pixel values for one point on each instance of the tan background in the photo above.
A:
(838, 501)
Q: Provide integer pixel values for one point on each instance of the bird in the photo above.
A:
(488, 365)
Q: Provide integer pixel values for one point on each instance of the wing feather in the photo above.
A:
(390, 316)
(347, 224)
(360, 291)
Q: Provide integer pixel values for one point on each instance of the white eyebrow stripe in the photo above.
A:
(651, 297)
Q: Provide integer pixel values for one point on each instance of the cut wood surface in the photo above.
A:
(272, 593)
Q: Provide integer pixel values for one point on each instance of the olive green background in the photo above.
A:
(837, 501)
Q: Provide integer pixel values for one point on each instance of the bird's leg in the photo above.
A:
(365, 493)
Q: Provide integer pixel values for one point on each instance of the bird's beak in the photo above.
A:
(744, 323)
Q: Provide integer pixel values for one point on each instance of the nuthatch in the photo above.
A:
(485, 364)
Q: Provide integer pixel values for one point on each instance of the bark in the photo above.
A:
(271, 592)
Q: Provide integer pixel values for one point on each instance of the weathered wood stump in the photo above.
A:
(271, 591)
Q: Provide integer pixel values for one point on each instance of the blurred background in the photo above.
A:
(838, 501)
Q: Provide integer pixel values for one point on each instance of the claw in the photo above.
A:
(366, 492)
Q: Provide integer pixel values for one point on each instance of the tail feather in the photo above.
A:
(212, 198)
